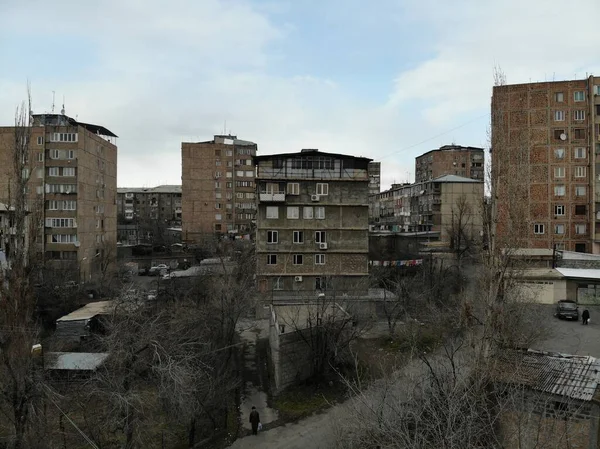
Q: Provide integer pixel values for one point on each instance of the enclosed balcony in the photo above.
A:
(271, 197)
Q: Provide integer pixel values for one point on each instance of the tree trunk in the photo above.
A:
(192, 433)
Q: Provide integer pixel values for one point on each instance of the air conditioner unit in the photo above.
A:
(322, 245)
(298, 278)
(314, 197)
(77, 244)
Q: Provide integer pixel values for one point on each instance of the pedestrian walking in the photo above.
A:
(585, 316)
(254, 420)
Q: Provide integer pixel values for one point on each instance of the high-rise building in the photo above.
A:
(466, 162)
(72, 171)
(374, 178)
(312, 223)
(545, 141)
(218, 190)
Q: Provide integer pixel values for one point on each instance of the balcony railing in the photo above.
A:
(271, 196)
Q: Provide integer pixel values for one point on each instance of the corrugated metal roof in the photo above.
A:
(167, 188)
(455, 178)
(572, 376)
(580, 273)
(80, 361)
(89, 311)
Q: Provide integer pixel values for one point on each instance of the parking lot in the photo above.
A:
(571, 337)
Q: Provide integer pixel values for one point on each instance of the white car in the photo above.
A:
(158, 270)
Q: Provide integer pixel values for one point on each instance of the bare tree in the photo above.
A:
(461, 235)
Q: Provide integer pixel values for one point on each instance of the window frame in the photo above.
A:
(319, 259)
(578, 93)
(322, 189)
(580, 171)
(557, 154)
(290, 216)
(272, 237)
(320, 236)
(556, 228)
(583, 150)
(298, 259)
(271, 259)
(305, 209)
(559, 172)
(579, 226)
(298, 237)
(558, 208)
(559, 116)
(539, 228)
(269, 213)
(318, 211)
(579, 115)
(293, 188)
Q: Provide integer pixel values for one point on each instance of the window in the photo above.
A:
(293, 188)
(40, 156)
(68, 171)
(559, 172)
(559, 229)
(580, 172)
(298, 259)
(52, 205)
(580, 153)
(579, 115)
(271, 259)
(217, 153)
(320, 237)
(298, 236)
(579, 133)
(538, 228)
(320, 213)
(322, 188)
(580, 229)
(61, 223)
(559, 190)
(71, 155)
(319, 259)
(559, 209)
(217, 205)
(217, 163)
(229, 185)
(63, 238)
(52, 171)
(239, 173)
(580, 190)
(218, 217)
(61, 188)
(218, 174)
(580, 209)
(40, 140)
(97, 224)
(64, 137)
(39, 190)
(229, 174)
(278, 283)
(579, 95)
(218, 195)
(558, 133)
(307, 212)
(272, 212)
(39, 173)
(217, 185)
(559, 116)
(293, 212)
(229, 152)
(559, 153)
(54, 154)
(272, 237)
(249, 174)
(559, 97)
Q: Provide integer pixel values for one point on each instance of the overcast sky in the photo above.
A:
(387, 79)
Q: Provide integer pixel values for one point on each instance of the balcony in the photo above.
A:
(271, 197)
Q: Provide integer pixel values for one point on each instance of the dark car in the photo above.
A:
(567, 308)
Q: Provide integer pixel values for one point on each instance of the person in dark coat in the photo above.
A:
(254, 420)
(585, 316)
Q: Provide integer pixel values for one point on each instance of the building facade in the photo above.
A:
(218, 187)
(545, 141)
(374, 178)
(467, 162)
(72, 171)
(312, 222)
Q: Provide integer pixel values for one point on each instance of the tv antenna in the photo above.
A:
(62, 111)
(53, 95)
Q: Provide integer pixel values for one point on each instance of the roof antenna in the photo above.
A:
(53, 94)
(225, 127)
(62, 111)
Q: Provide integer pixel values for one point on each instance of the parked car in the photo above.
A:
(158, 270)
(567, 308)
(152, 295)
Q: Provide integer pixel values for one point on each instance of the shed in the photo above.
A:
(74, 324)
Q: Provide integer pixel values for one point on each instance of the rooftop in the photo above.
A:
(166, 188)
(310, 152)
(64, 120)
(89, 311)
(455, 178)
(580, 273)
(80, 361)
(451, 148)
(571, 376)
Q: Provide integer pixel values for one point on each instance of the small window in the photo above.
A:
(580, 229)
(559, 116)
(558, 133)
(307, 212)
(40, 140)
(298, 236)
(322, 189)
(559, 97)
(320, 213)
(580, 153)
(272, 212)
(217, 185)
(218, 195)
(559, 190)
(217, 205)
(217, 226)
(559, 209)
(39, 173)
(319, 259)
(579, 95)
(278, 285)
(538, 228)
(559, 229)
(71, 155)
(218, 217)
(559, 172)
(272, 237)
(217, 163)
(271, 259)
(53, 171)
(559, 153)
(217, 153)
(229, 152)
(298, 259)
(579, 115)
(68, 171)
(580, 209)
(293, 212)
(320, 237)
(579, 133)
(580, 190)
(229, 174)
(293, 188)
(580, 172)
(40, 156)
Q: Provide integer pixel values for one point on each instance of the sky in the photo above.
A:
(387, 79)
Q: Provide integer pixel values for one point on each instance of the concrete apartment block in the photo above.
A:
(545, 141)
(374, 178)
(450, 160)
(73, 180)
(218, 190)
(312, 223)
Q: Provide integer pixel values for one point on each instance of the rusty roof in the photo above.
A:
(572, 376)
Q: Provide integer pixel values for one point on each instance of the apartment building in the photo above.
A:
(438, 207)
(312, 223)
(374, 178)
(545, 144)
(218, 187)
(467, 162)
(73, 178)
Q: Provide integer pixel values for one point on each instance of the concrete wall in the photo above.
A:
(544, 291)
(452, 194)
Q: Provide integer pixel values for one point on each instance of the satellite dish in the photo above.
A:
(563, 136)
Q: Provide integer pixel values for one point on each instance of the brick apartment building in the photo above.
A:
(450, 160)
(73, 178)
(312, 223)
(545, 141)
(218, 190)
(148, 214)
